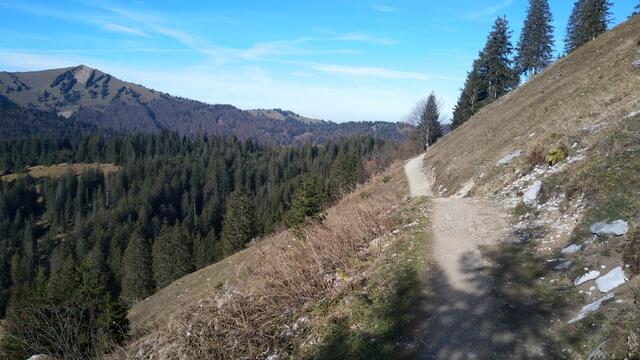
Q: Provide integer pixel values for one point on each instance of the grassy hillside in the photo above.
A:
(59, 170)
(282, 291)
(587, 103)
(594, 84)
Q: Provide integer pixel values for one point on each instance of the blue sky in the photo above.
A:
(332, 59)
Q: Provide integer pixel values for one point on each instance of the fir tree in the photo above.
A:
(589, 19)
(137, 276)
(238, 227)
(470, 98)
(171, 255)
(307, 204)
(430, 127)
(492, 75)
(496, 65)
(204, 249)
(535, 48)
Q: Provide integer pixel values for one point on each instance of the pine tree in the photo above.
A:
(203, 249)
(535, 48)
(636, 11)
(238, 226)
(492, 75)
(137, 276)
(307, 204)
(589, 18)
(430, 127)
(496, 65)
(471, 95)
(171, 255)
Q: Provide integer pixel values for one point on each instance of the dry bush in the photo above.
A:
(258, 318)
(536, 157)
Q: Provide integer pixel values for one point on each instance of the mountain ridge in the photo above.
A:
(85, 94)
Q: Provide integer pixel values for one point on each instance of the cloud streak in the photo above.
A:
(123, 29)
(370, 71)
(488, 11)
(385, 8)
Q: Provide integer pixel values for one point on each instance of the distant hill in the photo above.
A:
(87, 95)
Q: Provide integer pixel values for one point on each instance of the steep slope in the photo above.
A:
(596, 83)
(587, 105)
(89, 95)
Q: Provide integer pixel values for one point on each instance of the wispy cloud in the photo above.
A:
(123, 29)
(366, 38)
(370, 71)
(385, 8)
(488, 11)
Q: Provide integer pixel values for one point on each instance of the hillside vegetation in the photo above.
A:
(587, 105)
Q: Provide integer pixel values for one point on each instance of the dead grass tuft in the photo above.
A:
(535, 157)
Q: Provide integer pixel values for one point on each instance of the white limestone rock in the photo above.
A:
(611, 280)
(591, 275)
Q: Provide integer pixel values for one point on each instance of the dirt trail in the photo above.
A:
(458, 317)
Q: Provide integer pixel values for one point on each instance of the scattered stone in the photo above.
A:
(611, 280)
(563, 265)
(571, 249)
(591, 275)
(507, 159)
(531, 196)
(594, 127)
(594, 306)
(617, 228)
(636, 64)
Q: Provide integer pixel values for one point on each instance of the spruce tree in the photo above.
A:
(203, 249)
(171, 255)
(589, 18)
(430, 127)
(493, 74)
(137, 275)
(496, 65)
(471, 95)
(238, 226)
(307, 204)
(535, 48)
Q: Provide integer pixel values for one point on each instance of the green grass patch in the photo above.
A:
(369, 320)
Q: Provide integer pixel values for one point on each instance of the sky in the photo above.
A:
(339, 60)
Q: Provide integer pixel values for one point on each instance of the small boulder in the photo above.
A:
(591, 275)
(565, 265)
(507, 159)
(617, 228)
(594, 306)
(611, 280)
(636, 64)
(531, 196)
(571, 249)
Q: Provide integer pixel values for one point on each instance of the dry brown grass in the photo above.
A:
(254, 319)
(59, 170)
(594, 84)
(536, 157)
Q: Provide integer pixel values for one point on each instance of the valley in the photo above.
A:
(501, 224)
